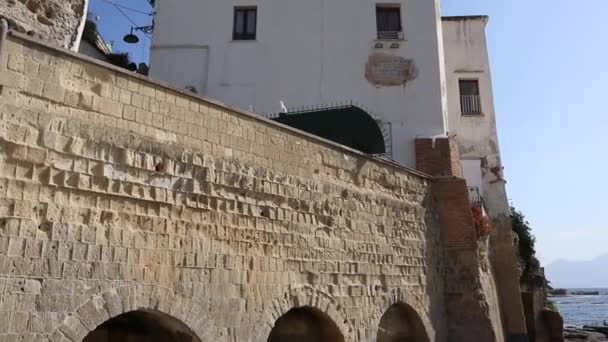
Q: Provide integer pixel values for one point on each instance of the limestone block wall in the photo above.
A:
(59, 22)
(118, 194)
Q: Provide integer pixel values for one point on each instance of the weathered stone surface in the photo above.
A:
(222, 221)
(555, 325)
(390, 70)
(55, 21)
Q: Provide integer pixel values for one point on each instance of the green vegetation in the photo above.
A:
(551, 305)
(526, 249)
(531, 274)
(527, 252)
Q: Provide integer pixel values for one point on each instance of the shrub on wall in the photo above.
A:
(482, 222)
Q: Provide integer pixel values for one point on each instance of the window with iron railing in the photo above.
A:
(475, 195)
(470, 100)
(388, 21)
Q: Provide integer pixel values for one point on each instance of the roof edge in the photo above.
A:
(483, 18)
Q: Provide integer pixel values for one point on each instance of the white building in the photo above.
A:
(472, 120)
(388, 58)
(425, 75)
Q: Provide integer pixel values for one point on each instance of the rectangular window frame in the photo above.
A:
(239, 34)
(470, 104)
(387, 30)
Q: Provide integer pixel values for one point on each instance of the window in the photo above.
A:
(245, 23)
(388, 21)
(470, 101)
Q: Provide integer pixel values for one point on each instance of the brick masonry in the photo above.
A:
(119, 194)
(438, 157)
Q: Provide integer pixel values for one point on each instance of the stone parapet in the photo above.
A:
(120, 194)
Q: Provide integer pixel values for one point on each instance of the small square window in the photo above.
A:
(470, 100)
(388, 21)
(245, 23)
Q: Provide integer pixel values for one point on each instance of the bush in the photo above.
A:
(521, 227)
(526, 250)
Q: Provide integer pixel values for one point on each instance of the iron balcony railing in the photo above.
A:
(475, 195)
(390, 35)
(470, 104)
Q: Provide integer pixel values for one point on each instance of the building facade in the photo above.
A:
(309, 53)
(472, 123)
(425, 75)
(134, 211)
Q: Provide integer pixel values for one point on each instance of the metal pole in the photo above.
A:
(3, 33)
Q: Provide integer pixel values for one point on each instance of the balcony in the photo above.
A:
(470, 104)
(390, 35)
(475, 196)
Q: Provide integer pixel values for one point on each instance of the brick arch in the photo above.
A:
(305, 296)
(100, 308)
(404, 297)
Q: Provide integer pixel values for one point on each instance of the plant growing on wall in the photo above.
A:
(482, 222)
(526, 241)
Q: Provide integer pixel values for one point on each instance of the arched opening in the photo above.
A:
(346, 125)
(305, 324)
(401, 323)
(142, 326)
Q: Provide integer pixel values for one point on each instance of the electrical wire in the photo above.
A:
(131, 20)
(128, 8)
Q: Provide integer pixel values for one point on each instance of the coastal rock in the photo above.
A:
(585, 293)
(58, 22)
(574, 334)
(555, 325)
(558, 292)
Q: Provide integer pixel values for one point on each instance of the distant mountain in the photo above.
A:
(578, 274)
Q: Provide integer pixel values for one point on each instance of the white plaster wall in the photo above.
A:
(309, 53)
(471, 170)
(466, 57)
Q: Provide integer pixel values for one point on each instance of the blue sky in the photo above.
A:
(549, 86)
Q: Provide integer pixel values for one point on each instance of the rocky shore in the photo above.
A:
(586, 333)
(564, 292)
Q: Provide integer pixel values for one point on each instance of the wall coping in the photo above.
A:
(210, 101)
(483, 18)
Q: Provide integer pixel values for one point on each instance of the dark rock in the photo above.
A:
(590, 334)
(555, 325)
(585, 293)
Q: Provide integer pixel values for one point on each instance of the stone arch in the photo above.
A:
(404, 300)
(401, 323)
(315, 301)
(142, 325)
(151, 299)
(305, 324)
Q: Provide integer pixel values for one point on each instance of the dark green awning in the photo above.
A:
(348, 125)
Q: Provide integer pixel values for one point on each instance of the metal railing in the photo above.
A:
(385, 127)
(475, 195)
(470, 104)
(390, 35)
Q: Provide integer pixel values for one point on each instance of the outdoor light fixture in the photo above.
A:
(131, 38)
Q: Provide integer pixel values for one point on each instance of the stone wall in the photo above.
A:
(121, 195)
(59, 22)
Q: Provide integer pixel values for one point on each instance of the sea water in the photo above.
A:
(583, 310)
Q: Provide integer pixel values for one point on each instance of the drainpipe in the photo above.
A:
(3, 33)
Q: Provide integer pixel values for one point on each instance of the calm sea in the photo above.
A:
(583, 310)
